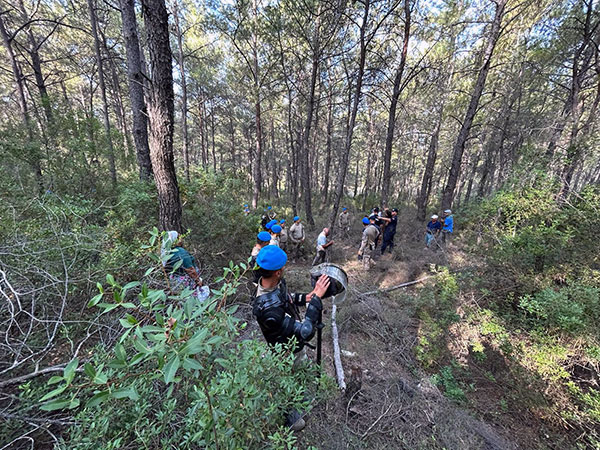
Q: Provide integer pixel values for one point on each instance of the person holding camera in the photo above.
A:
(276, 310)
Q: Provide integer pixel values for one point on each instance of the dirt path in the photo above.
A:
(389, 403)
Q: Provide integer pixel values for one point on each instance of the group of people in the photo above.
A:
(440, 229)
(275, 309)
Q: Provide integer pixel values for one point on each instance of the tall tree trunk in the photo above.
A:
(184, 99)
(161, 112)
(585, 51)
(135, 75)
(36, 64)
(345, 156)
(19, 81)
(463, 135)
(101, 83)
(389, 139)
(325, 193)
(310, 107)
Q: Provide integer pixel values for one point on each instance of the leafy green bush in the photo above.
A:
(570, 309)
(179, 376)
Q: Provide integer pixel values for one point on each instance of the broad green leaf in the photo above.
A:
(94, 301)
(69, 372)
(125, 323)
(120, 352)
(97, 399)
(191, 364)
(110, 279)
(124, 392)
(100, 288)
(55, 379)
(74, 403)
(148, 271)
(55, 404)
(170, 369)
(54, 393)
(89, 370)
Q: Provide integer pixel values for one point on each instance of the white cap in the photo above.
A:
(434, 216)
(448, 211)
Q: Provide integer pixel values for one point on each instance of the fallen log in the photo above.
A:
(337, 359)
(393, 288)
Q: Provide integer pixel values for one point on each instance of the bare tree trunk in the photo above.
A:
(184, 100)
(135, 75)
(325, 193)
(19, 80)
(463, 135)
(345, 156)
(105, 108)
(161, 112)
(389, 140)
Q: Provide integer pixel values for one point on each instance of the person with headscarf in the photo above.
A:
(181, 266)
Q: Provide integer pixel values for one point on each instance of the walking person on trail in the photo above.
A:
(270, 213)
(276, 311)
(322, 246)
(448, 227)
(297, 237)
(275, 230)
(344, 222)
(262, 240)
(283, 236)
(181, 266)
(377, 222)
(367, 245)
(389, 231)
(433, 230)
(269, 224)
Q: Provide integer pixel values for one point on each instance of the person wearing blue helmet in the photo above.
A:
(447, 226)
(269, 225)
(297, 237)
(262, 240)
(276, 311)
(369, 238)
(344, 222)
(275, 230)
(283, 236)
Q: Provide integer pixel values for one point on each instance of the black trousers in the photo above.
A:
(388, 241)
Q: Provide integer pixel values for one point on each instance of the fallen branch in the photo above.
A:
(58, 368)
(337, 360)
(377, 421)
(393, 288)
(35, 420)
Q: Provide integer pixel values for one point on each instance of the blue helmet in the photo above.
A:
(366, 221)
(296, 218)
(271, 257)
(276, 229)
(264, 236)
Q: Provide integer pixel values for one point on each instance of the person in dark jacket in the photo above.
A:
(276, 310)
(389, 231)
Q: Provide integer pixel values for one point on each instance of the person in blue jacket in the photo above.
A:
(448, 227)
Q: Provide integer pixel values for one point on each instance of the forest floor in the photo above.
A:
(390, 400)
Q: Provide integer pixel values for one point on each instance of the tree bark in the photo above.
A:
(389, 139)
(161, 112)
(325, 193)
(36, 65)
(345, 156)
(135, 75)
(459, 146)
(19, 81)
(184, 107)
(102, 85)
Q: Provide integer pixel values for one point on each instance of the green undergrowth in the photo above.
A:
(179, 376)
(524, 323)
